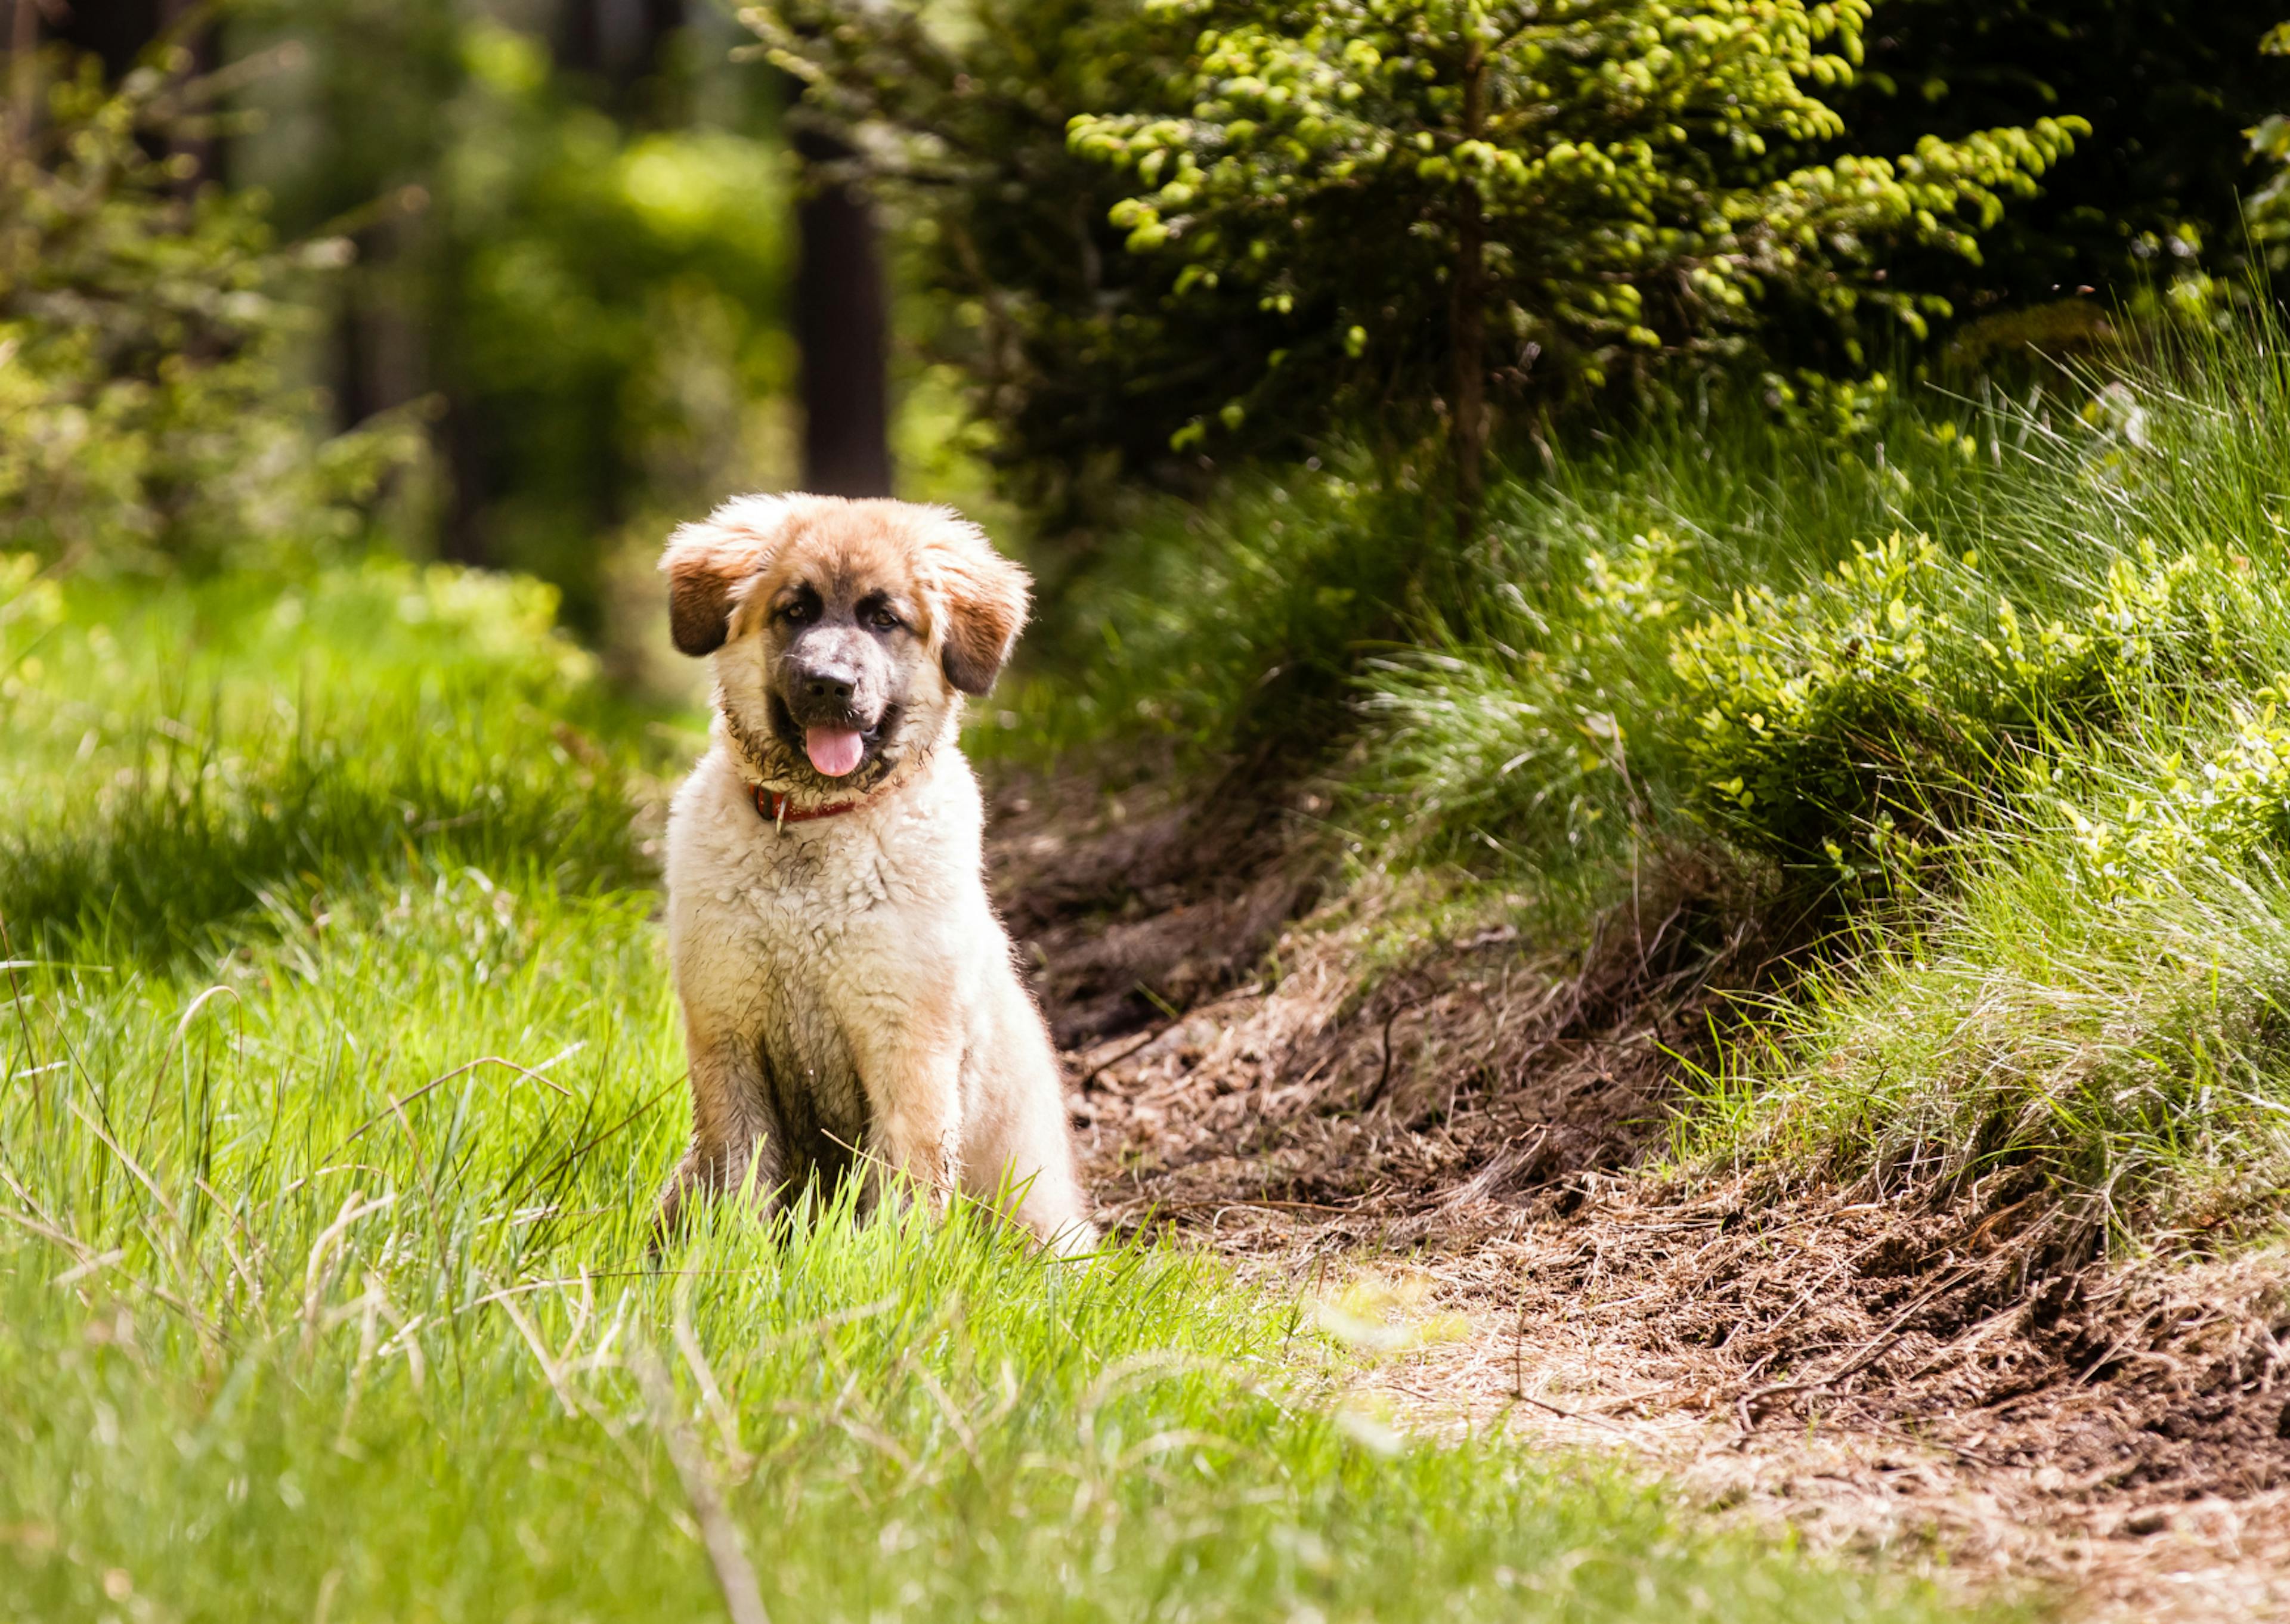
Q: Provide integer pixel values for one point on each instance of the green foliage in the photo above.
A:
(1539, 732)
(2170, 88)
(1840, 720)
(609, 314)
(2039, 726)
(585, 296)
(1556, 200)
(1230, 630)
(1891, 698)
(148, 324)
(1604, 183)
(959, 114)
(2267, 210)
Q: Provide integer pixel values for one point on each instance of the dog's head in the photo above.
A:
(843, 632)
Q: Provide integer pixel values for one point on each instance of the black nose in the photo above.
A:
(829, 683)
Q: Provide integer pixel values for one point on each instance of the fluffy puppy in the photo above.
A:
(846, 985)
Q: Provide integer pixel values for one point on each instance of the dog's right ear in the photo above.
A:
(707, 564)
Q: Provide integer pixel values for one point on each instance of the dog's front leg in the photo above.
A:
(733, 1132)
(910, 1068)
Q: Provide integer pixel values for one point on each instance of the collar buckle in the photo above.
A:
(772, 806)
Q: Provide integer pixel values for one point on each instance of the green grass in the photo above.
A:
(2127, 1051)
(181, 759)
(335, 1098)
(1993, 693)
(1204, 633)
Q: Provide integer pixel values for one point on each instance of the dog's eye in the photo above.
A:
(796, 612)
(882, 619)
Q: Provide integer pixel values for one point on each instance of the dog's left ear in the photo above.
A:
(986, 597)
(708, 563)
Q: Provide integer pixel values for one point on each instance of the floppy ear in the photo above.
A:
(986, 598)
(707, 564)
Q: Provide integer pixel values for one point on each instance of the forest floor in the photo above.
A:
(1460, 1147)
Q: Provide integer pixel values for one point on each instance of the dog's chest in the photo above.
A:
(816, 939)
(818, 942)
(808, 909)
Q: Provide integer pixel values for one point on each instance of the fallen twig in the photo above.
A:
(1871, 1352)
(735, 1575)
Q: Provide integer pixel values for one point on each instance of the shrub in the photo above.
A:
(1695, 624)
(1904, 693)
(1555, 196)
(1562, 195)
(2169, 87)
(1541, 729)
(146, 325)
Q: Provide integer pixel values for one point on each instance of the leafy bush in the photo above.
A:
(1658, 637)
(2169, 86)
(1825, 716)
(1554, 197)
(1539, 729)
(1562, 195)
(1904, 694)
(147, 331)
(2267, 210)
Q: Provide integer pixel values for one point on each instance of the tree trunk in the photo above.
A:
(23, 72)
(1467, 319)
(842, 329)
(617, 42)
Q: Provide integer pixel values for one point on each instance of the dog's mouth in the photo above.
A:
(835, 751)
(836, 747)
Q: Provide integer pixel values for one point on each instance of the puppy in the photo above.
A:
(846, 986)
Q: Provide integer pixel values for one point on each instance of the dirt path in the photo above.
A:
(1452, 1149)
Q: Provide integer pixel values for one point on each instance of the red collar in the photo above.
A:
(773, 807)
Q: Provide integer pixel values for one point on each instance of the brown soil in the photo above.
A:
(1954, 1382)
(1136, 906)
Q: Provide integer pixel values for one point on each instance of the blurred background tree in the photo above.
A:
(150, 329)
(572, 226)
(563, 230)
(518, 282)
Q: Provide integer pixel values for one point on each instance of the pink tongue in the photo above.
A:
(834, 750)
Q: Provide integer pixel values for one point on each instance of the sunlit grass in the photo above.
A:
(2052, 949)
(181, 759)
(2026, 1030)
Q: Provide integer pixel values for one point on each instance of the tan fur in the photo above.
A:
(845, 982)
